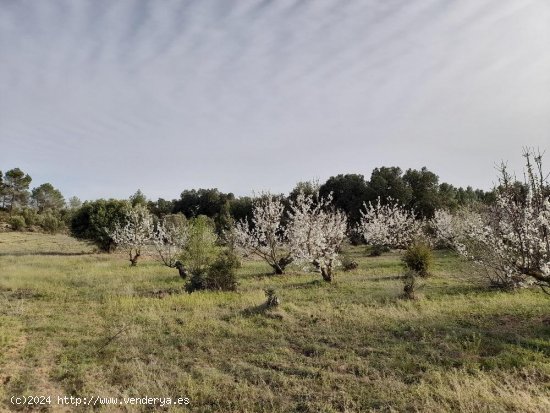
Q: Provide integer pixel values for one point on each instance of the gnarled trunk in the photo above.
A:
(134, 258)
(326, 273)
(278, 270)
(181, 270)
(280, 265)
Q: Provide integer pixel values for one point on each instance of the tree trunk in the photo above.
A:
(326, 272)
(134, 259)
(181, 270)
(277, 268)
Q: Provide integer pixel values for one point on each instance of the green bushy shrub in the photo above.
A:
(50, 223)
(418, 258)
(17, 223)
(31, 216)
(271, 298)
(201, 249)
(378, 250)
(348, 263)
(221, 275)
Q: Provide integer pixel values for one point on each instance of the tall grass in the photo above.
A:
(73, 322)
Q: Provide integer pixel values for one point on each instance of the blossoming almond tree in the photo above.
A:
(389, 225)
(448, 229)
(316, 232)
(512, 240)
(135, 233)
(170, 239)
(265, 237)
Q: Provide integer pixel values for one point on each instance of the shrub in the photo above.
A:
(378, 250)
(348, 263)
(31, 217)
(17, 223)
(418, 258)
(50, 223)
(221, 275)
(200, 250)
(410, 284)
(271, 298)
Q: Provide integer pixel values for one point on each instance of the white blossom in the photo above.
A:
(512, 238)
(170, 239)
(265, 236)
(135, 233)
(316, 232)
(389, 225)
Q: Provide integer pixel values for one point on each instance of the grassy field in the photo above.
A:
(73, 322)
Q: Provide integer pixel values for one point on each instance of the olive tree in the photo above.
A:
(265, 236)
(316, 232)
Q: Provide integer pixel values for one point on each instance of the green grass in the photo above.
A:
(73, 322)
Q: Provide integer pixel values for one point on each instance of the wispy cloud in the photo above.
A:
(102, 97)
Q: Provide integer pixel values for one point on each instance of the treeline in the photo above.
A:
(418, 190)
(40, 208)
(44, 207)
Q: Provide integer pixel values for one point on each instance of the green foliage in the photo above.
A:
(47, 197)
(52, 223)
(378, 250)
(308, 188)
(386, 183)
(419, 258)
(15, 191)
(31, 216)
(223, 221)
(349, 192)
(220, 275)
(177, 220)
(161, 207)
(74, 202)
(138, 198)
(201, 249)
(209, 202)
(424, 187)
(348, 263)
(241, 208)
(96, 219)
(17, 222)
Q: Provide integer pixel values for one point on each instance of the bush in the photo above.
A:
(348, 263)
(410, 285)
(271, 298)
(201, 250)
(221, 275)
(378, 250)
(418, 258)
(31, 217)
(17, 223)
(50, 223)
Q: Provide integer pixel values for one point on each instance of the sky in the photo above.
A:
(101, 98)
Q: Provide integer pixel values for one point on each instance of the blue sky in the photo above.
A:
(103, 97)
